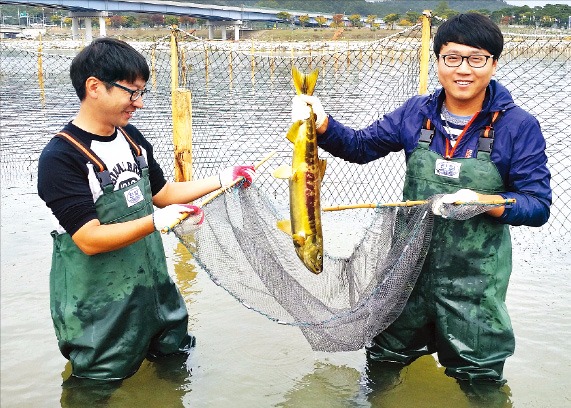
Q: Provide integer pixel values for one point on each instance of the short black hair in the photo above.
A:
(109, 60)
(472, 29)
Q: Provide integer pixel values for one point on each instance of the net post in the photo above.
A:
(424, 52)
(181, 118)
(174, 58)
(41, 73)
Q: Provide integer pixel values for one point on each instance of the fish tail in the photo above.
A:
(304, 83)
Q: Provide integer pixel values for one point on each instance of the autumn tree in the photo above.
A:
(392, 19)
(337, 20)
(321, 20)
(371, 20)
(355, 20)
(303, 20)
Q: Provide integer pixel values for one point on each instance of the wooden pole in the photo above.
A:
(181, 106)
(182, 134)
(174, 59)
(424, 52)
(41, 73)
(413, 203)
(219, 192)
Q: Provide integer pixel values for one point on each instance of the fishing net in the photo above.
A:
(371, 264)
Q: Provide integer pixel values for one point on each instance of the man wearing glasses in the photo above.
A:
(467, 141)
(112, 300)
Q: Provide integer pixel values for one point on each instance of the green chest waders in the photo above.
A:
(457, 307)
(111, 310)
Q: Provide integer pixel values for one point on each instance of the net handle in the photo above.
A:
(216, 193)
(414, 203)
(238, 180)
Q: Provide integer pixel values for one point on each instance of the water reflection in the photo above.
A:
(421, 384)
(160, 382)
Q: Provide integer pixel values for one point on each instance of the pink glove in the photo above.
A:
(230, 175)
(192, 222)
(173, 215)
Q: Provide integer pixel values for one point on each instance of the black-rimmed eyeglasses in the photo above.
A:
(475, 61)
(135, 94)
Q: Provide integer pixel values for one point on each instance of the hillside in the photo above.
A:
(362, 7)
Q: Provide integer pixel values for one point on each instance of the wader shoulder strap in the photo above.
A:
(427, 131)
(486, 141)
(136, 150)
(101, 172)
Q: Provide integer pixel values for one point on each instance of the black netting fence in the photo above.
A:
(241, 96)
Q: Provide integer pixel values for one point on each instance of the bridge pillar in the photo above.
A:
(87, 15)
(237, 25)
(223, 28)
(88, 30)
(210, 29)
(74, 28)
(102, 28)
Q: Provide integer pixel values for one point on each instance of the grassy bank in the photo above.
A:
(278, 35)
(271, 35)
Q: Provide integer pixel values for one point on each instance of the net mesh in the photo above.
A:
(369, 271)
(241, 96)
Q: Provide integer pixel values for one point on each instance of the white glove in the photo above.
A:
(229, 175)
(165, 219)
(300, 109)
(442, 205)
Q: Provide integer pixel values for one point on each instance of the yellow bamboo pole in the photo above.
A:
(154, 66)
(41, 73)
(181, 107)
(174, 60)
(182, 134)
(238, 180)
(253, 63)
(230, 70)
(206, 62)
(424, 52)
(414, 203)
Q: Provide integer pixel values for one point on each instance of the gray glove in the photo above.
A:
(300, 109)
(444, 205)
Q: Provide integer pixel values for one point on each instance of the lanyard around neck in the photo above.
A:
(449, 149)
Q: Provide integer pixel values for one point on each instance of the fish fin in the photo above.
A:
(298, 240)
(310, 81)
(284, 226)
(283, 172)
(293, 131)
(322, 167)
(304, 84)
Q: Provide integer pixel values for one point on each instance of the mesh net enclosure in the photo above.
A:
(368, 274)
(241, 110)
(241, 97)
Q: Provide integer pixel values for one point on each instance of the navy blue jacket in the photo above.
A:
(518, 151)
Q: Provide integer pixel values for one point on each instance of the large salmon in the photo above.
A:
(305, 175)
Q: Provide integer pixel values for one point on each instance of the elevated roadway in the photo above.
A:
(214, 15)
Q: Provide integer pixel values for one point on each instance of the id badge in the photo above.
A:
(447, 168)
(133, 196)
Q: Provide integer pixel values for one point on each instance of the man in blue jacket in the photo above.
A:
(457, 308)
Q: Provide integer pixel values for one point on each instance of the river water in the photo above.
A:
(244, 360)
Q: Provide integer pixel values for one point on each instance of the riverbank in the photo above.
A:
(346, 34)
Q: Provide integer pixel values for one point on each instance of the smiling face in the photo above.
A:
(465, 87)
(118, 106)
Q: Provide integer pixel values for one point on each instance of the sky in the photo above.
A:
(535, 3)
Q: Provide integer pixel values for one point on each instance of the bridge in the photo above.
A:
(221, 16)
